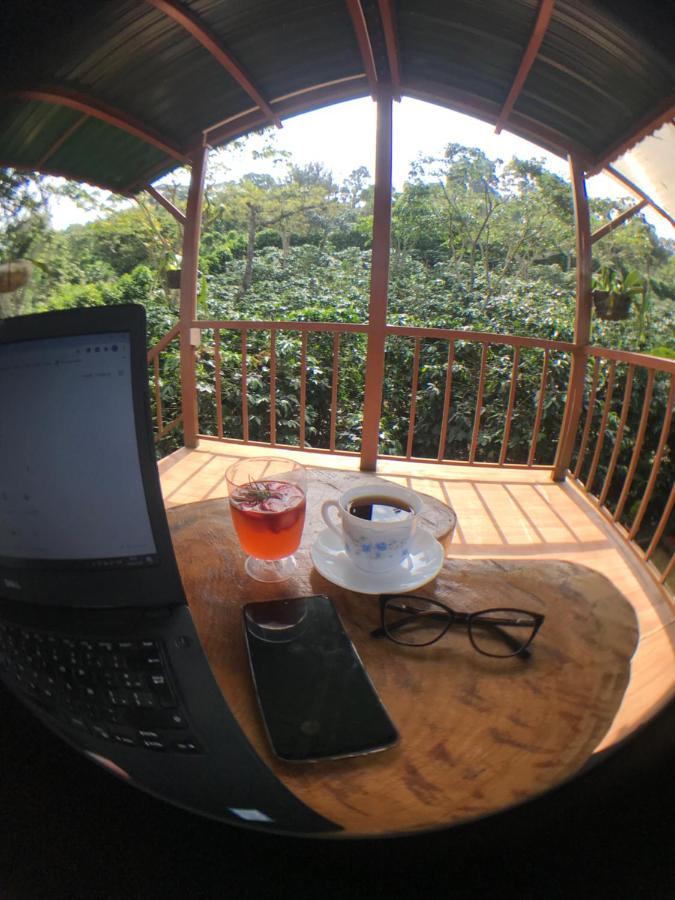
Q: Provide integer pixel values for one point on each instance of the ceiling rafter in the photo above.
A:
(540, 27)
(99, 110)
(61, 140)
(200, 32)
(639, 193)
(618, 220)
(390, 27)
(63, 173)
(363, 40)
(167, 204)
(648, 124)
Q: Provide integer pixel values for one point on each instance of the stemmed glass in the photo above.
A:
(267, 498)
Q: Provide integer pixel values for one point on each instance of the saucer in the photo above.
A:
(423, 563)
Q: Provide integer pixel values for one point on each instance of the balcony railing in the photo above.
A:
(471, 399)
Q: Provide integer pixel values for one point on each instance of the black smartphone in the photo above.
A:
(316, 699)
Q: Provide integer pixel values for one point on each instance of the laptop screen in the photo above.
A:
(82, 522)
(67, 432)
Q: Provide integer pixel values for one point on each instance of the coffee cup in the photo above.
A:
(376, 522)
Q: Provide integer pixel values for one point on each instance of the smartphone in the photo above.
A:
(316, 699)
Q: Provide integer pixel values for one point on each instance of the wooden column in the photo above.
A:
(379, 283)
(188, 297)
(582, 322)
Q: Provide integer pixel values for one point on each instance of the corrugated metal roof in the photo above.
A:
(149, 89)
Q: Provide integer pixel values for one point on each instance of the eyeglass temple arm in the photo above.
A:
(460, 619)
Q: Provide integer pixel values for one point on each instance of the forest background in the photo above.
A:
(477, 245)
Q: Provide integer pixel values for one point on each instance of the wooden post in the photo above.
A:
(188, 297)
(582, 323)
(379, 283)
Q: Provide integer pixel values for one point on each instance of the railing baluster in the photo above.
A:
(665, 431)
(303, 387)
(413, 399)
(511, 406)
(244, 385)
(273, 386)
(219, 392)
(158, 396)
(665, 575)
(479, 405)
(540, 410)
(661, 527)
(628, 390)
(637, 449)
(334, 389)
(446, 401)
(603, 427)
(589, 417)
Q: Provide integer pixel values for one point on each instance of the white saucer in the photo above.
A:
(424, 563)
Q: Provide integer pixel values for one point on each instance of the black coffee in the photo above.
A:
(380, 509)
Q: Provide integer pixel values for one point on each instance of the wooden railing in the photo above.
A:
(623, 449)
(472, 399)
(156, 381)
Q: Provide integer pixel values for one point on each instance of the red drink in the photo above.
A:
(268, 517)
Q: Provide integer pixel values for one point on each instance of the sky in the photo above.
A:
(342, 137)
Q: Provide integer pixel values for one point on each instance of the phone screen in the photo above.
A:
(316, 699)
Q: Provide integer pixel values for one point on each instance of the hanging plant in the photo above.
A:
(613, 292)
(14, 275)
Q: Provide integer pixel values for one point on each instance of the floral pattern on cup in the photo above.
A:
(393, 550)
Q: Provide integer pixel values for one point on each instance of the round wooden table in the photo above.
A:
(477, 734)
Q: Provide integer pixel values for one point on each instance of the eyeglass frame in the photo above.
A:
(455, 617)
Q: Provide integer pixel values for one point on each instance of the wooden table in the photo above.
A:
(477, 734)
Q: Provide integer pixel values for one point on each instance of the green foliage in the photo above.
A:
(477, 245)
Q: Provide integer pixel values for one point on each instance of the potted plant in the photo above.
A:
(613, 292)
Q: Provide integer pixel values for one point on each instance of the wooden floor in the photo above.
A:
(502, 513)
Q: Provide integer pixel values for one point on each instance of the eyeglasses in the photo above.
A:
(417, 622)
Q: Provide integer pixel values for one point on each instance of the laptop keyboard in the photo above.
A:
(119, 691)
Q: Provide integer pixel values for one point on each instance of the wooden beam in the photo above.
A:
(618, 220)
(363, 40)
(289, 105)
(60, 141)
(649, 123)
(390, 27)
(540, 27)
(379, 284)
(62, 173)
(167, 204)
(200, 32)
(188, 297)
(639, 193)
(102, 111)
(582, 323)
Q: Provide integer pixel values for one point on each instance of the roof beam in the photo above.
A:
(200, 32)
(664, 112)
(618, 220)
(167, 204)
(60, 141)
(102, 111)
(639, 193)
(540, 27)
(363, 40)
(389, 24)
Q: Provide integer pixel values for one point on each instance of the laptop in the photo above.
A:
(96, 637)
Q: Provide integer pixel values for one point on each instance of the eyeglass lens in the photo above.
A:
(501, 632)
(417, 622)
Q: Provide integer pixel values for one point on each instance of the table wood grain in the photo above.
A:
(477, 734)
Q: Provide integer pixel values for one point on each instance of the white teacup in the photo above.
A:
(375, 544)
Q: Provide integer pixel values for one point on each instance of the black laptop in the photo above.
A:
(96, 637)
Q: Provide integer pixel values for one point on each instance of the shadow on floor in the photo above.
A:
(70, 831)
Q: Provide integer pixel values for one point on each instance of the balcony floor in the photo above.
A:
(502, 514)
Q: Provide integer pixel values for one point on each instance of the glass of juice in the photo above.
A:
(267, 502)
